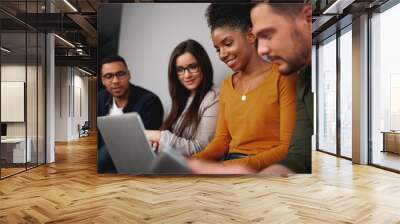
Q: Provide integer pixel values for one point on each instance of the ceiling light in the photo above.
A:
(337, 7)
(65, 41)
(70, 5)
(5, 50)
(331, 7)
(84, 71)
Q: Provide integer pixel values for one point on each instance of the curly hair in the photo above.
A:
(230, 15)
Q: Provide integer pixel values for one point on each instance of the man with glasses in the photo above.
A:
(119, 97)
(284, 35)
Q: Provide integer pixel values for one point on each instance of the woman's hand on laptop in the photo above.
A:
(154, 137)
(155, 146)
(206, 167)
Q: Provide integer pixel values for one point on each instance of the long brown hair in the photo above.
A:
(179, 94)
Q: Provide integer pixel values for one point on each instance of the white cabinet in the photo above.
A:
(391, 142)
(17, 146)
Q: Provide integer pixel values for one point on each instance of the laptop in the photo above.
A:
(126, 142)
(130, 149)
(168, 162)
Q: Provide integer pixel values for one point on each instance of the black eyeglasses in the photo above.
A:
(192, 68)
(119, 75)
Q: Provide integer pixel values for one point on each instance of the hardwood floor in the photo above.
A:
(70, 191)
(10, 171)
(387, 159)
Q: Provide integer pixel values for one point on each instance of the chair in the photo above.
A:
(84, 130)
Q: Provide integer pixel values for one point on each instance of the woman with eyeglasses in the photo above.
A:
(257, 104)
(190, 125)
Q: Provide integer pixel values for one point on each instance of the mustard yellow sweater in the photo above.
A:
(261, 126)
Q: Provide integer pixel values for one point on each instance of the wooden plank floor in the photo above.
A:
(10, 171)
(387, 159)
(70, 191)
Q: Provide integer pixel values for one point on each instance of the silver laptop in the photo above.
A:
(126, 142)
(169, 162)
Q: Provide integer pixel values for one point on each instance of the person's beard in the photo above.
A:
(299, 59)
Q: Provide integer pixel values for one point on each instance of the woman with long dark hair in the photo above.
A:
(190, 125)
(257, 105)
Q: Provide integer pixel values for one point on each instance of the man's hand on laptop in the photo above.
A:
(153, 135)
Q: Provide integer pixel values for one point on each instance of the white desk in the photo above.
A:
(18, 149)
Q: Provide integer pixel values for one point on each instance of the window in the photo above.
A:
(346, 75)
(327, 96)
(23, 76)
(385, 88)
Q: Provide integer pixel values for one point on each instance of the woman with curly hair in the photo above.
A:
(257, 105)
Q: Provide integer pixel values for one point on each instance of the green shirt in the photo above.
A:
(299, 153)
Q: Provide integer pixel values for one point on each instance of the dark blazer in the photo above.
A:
(141, 101)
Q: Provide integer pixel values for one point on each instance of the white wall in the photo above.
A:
(80, 84)
(12, 101)
(13, 72)
(149, 33)
(16, 73)
(61, 103)
(69, 82)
